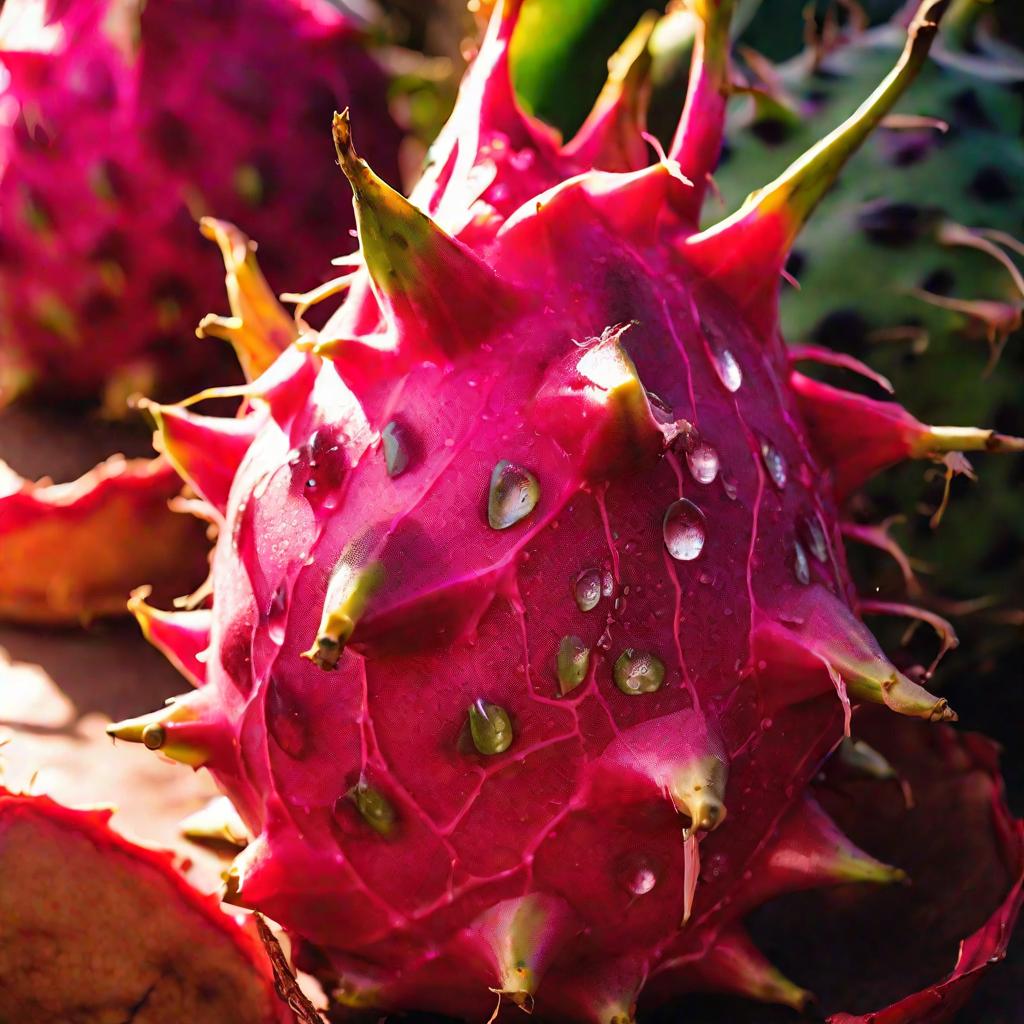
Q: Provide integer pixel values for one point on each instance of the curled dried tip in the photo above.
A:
(304, 300)
(349, 160)
(259, 329)
(907, 698)
(234, 244)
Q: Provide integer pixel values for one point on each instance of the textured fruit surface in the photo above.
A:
(531, 622)
(94, 929)
(120, 124)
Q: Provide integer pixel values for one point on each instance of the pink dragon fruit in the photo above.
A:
(531, 624)
(120, 123)
(89, 923)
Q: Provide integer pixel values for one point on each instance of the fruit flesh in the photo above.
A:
(95, 930)
(379, 635)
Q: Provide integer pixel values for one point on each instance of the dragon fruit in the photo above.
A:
(96, 928)
(117, 129)
(531, 624)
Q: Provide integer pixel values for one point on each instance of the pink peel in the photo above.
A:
(86, 521)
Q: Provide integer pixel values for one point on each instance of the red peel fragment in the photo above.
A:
(65, 547)
(93, 927)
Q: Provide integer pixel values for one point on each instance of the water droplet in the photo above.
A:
(490, 727)
(514, 494)
(766, 724)
(814, 535)
(396, 448)
(728, 369)
(637, 874)
(638, 672)
(318, 468)
(703, 463)
(775, 463)
(800, 566)
(375, 808)
(587, 589)
(607, 584)
(684, 530)
(573, 663)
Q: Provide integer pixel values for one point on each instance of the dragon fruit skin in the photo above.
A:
(531, 623)
(90, 922)
(86, 522)
(119, 128)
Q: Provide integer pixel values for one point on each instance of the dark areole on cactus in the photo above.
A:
(531, 624)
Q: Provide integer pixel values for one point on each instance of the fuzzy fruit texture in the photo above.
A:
(121, 124)
(531, 623)
(95, 928)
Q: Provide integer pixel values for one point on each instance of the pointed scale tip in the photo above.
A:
(181, 636)
(697, 142)
(733, 964)
(206, 451)
(831, 643)
(595, 406)
(170, 730)
(611, 138)
(800, 188)
(348, 593)
(356, 169)
(857, 436)
(259, 329)
(809, 851)
(521, 936)
(937, 440)
(771, 218)
(217, 824)
(440, 296)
